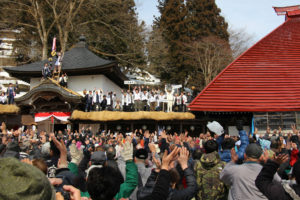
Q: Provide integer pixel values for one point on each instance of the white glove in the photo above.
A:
(127, 152)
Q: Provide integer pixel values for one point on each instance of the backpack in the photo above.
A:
(209, 183)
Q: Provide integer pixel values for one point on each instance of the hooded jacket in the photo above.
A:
(225, 155)
(207, 171)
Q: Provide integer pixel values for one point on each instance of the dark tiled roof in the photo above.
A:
(77, 61)
(77, 58)
(263, 79)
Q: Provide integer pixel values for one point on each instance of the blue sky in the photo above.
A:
(256, 17)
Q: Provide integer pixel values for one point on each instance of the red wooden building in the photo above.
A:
(263, 83)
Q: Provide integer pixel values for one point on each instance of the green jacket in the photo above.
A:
(131, 181)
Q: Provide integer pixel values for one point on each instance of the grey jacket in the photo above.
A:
(241, 179)
(144, 173)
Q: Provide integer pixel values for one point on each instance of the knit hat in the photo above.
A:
(23, 181)
(253, 150)
(98, 158)
(141, 154)
(12, 150)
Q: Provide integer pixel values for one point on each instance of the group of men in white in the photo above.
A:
(139, 99)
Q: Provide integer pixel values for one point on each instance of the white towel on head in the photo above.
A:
(215, 127)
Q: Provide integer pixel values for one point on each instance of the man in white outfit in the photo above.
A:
(170, 100)
(137, 99)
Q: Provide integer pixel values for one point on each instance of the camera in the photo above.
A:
(59, 188)
(64, 193)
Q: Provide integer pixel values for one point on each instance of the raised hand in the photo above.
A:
(127, 149)
(156, 162)
(146, 134)
(183, 158)
(63, 163)
(163, 134)
(295, 131)
(294, 146)
(152, 148)
(268, 130)
(167, 159)
(265, 156)
(74, 192)
(279, 130)
(281, 158)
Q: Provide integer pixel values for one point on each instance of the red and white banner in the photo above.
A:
(54, 44)
(62, 116)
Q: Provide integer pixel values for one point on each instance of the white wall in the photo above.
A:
(34, 82)
(88, 82)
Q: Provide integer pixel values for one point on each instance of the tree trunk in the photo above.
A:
(64, 41)
(44, 49)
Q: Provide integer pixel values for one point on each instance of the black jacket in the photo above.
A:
(270, 189)
(187, 193)
(103, 104)
(161, 186)
(190, 191)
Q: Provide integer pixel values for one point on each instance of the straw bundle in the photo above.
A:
(9, 109)
(141, 115)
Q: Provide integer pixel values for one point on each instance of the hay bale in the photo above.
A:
(141, 115)
(9, 109)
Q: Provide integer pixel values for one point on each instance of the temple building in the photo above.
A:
(52, 107)
(262, 85)
(85, 71)
(48, 104)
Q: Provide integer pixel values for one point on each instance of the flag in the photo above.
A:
(53, 52)
(54, 44)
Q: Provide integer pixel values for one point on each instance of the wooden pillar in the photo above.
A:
(131, 126)
(181, 126)
(105, 126)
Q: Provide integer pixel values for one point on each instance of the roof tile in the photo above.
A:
(263, 79)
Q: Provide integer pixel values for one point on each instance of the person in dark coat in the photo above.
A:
(103, 103)
(46, 71)
(11, 93)
(274, 190)
(160, 189)
(173, 193)
(89, 102)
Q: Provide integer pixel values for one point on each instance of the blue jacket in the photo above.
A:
(244, 143)
(225, 155)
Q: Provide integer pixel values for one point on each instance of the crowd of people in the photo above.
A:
(141, 165)
(142, 98)
(8, 96)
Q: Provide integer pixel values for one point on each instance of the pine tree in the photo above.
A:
(115, 32)
(209, 49)
(204, 20)
(182, 24)
(173, 28)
